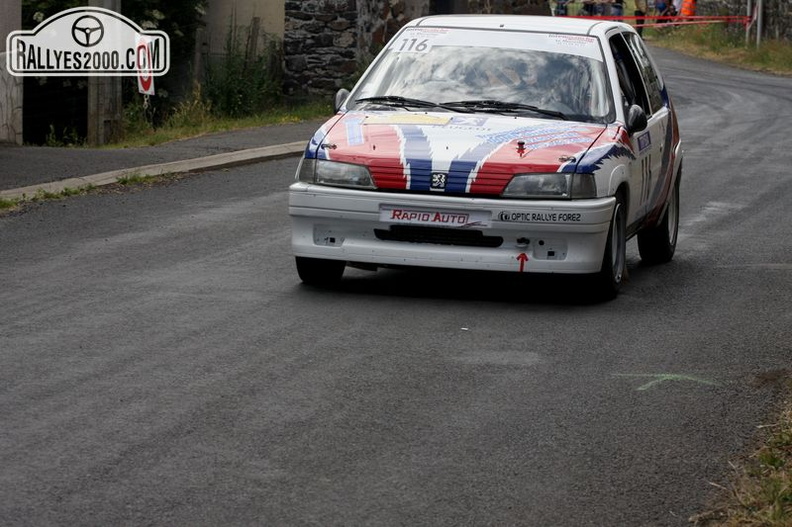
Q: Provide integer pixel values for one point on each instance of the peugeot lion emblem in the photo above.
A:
(438, 181)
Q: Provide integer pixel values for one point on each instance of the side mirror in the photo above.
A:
(340, 98)
(636, 119)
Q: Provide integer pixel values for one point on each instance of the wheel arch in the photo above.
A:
(620, 182)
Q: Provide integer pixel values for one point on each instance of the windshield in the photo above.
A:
(563, 74)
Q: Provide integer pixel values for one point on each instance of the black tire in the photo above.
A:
(608, 281)
(319, 272)
(657, 244)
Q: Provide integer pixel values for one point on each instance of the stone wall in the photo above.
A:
(509, 7)
(320, 45)
(327, 43)
(379, 20)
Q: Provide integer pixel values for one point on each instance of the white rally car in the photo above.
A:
(507, 143)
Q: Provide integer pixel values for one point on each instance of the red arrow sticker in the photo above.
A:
(522, 258)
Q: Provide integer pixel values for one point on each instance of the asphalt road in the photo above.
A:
(160, 363)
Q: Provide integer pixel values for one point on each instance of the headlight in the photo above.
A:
(333, 173)
(557, 185)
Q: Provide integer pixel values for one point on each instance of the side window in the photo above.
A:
(632, 86)
(651, 79)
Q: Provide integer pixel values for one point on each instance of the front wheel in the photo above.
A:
(608, 281)
(319, 272)
(657, 244)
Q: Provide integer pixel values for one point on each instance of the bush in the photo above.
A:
(244, 82)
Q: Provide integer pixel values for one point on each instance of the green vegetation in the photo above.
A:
(137, 180)
(134, 179)
(68, 137)
(59, 119)
(241, 89)
(760, 493)
(10, 205)
(725, 44)
(195, 117)
(244, 80)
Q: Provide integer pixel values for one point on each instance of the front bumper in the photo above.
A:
(356, 226)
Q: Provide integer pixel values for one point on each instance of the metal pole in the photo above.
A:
(749, 24)
(759, 10)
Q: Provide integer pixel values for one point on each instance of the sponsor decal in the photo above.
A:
(354, 133)
(573, 41)
(407, 118)
(540, 217)
(443, 218)
(644, 142)
(544, 136)
(88, 41)
(465, 121)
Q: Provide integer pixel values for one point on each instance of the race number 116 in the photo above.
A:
(414, 45)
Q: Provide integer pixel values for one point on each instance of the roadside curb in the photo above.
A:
(227, 159)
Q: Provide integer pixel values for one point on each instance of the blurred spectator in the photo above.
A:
(665, 8)
(561, 8)
(640, 10)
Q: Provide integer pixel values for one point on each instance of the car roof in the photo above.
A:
(542, 24)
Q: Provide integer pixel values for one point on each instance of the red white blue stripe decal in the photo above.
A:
(463, 154)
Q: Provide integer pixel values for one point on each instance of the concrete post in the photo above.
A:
(105, 103)
(10, 86)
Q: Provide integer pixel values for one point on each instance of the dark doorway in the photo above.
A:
(54, 110)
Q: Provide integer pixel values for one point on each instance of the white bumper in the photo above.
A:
(535, 236)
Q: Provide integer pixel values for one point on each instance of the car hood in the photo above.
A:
(459, 153)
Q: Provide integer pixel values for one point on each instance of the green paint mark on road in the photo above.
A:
(658, 378)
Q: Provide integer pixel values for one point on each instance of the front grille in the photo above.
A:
(463, 237)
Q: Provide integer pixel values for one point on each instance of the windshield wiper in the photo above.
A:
(490, 105)
(398, 100)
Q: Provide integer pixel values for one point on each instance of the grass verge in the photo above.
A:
(760, 491)
(125, 184)
(727, 45)
(194, 118)
(8, 206)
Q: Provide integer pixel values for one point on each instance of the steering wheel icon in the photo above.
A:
(87, 31)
